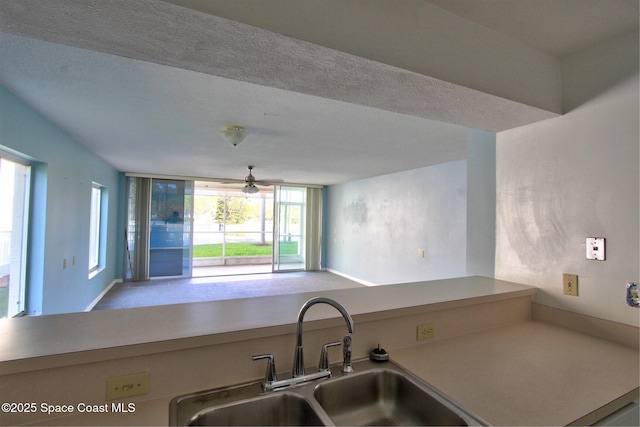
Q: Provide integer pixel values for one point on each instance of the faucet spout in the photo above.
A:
(298, 359)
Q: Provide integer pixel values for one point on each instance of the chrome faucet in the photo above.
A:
(298, 358)
(272, 383)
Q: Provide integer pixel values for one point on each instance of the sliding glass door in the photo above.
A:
(159, 231)
(170, 228)
(232, 231)
(289, 230)
(180, 228)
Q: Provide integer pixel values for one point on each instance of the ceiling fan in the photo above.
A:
(250, 182)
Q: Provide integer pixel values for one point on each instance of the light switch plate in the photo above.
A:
(595, 248)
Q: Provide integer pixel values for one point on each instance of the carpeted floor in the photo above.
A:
(176, 291)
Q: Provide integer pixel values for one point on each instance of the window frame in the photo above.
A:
(96, 229)
(23, 257)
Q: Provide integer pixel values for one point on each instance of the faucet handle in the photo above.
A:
(323, 365)
(270, 376)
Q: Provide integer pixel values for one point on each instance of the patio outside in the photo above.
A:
(233, 234)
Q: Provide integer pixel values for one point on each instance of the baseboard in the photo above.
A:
(346, 276)
(588, 325)
(102, 294)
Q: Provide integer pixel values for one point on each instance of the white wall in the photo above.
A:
(378, 226)
(562, 180)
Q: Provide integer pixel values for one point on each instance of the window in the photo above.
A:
(95, 226)
(15, 183)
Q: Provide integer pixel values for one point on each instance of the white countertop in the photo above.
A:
(530, 373)
(30, 343)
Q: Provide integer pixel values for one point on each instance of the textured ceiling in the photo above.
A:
(148, 85)
(143, 117)
(558, 27)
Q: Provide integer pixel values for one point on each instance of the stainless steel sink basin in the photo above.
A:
(384, 397)
(375, 394)
(277, 409)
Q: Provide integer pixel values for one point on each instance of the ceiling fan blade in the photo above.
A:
(267, 181)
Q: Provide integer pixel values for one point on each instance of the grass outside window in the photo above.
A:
(243, 249)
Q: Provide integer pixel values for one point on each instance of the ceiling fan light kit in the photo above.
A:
(234, 134)
(250, 189)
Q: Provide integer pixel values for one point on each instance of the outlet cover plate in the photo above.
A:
(595, 248)
(127, 386)
(570, 284)
(426, 331)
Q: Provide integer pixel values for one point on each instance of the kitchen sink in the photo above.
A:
(375, 394)
(276, 409)
(384, 397)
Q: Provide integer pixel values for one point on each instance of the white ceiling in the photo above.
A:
(147, 115)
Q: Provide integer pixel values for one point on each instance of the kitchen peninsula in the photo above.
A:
(191, 347)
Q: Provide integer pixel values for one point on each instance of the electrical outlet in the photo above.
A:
(425, 331)
(570, 284)
(127, 385)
